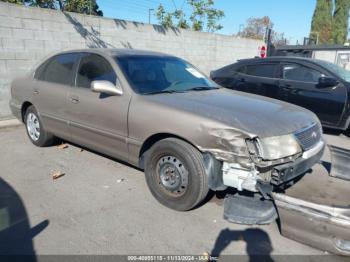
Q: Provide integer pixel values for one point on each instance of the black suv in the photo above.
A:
(317, 85)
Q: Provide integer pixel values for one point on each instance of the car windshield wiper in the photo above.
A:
(162, 92)
(203, 88)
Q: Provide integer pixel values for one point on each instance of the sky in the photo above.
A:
(293, 18)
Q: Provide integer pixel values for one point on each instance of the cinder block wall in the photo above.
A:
(27, 35)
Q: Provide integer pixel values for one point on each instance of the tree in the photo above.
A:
(256, 27)
(83, 7)
(19, 2)
(164, 18)
(203, 16)
(78, 6)
(42, 3)
(340, 21)
(321, 24)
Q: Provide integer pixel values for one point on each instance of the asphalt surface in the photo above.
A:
(101, 206)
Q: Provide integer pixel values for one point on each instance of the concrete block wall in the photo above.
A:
(27, 35)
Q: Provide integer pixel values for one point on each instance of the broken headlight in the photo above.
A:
(276, 147)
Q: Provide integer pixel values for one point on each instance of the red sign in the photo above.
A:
(263, 52)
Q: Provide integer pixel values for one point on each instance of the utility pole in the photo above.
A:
(90, 6)
(240, 29)
(149, 14)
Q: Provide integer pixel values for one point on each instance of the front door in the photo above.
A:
(97, 120)
(259, 79)
(299, 85)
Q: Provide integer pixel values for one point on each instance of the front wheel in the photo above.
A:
(35, 130)
(175, 174)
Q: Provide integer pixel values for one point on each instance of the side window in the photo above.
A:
(297, 72)
(241, 69)
(39, 72)
(94, 67)
(262, 70)
(60, 69)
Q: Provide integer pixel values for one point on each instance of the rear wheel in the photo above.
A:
(175, 174)
(35, 130)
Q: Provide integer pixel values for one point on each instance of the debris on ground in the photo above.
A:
(57, 174)
(120, 180)
(62, 146)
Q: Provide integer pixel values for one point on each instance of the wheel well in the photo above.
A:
(24, 108)
(149, 142)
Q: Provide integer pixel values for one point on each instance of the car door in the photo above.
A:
(260, 79)
(97, 120)
(52, 82)
(299, 85)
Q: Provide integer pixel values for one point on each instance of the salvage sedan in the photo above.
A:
(161, 114)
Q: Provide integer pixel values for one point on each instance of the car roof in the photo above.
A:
(117, 52)
(280, 58)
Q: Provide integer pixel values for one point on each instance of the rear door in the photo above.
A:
(299, 85)
(53, 81)
(97, 120)
(260, 79)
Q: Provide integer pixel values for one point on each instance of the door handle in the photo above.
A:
(35, 91)
(242, 80)
(286, 87)
(74, 99)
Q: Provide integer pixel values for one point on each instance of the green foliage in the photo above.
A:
(165, 19)
(340, 21)
(42, 3)
(82, 7)
(78, 6)
(203, 17)
(322, 21)
(19, 2)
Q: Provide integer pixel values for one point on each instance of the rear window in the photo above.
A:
(59, 69)
(262, 70)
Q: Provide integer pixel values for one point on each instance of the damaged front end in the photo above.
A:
(288, 183)
(262, 164)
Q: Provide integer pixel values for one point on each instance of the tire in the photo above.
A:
(175, 174)
(35, 130)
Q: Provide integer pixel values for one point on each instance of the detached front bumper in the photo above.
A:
(316, 212)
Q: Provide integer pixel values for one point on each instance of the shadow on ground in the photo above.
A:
(16, 235)
(258, 243)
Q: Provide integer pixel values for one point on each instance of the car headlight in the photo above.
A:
(276, 147)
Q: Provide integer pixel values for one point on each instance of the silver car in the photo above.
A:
(161, 114)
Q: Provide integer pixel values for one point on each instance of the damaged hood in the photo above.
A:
(253, 114)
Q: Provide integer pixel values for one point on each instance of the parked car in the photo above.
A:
(320, 86)
(161, 114)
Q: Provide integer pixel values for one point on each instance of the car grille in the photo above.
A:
(309, 137)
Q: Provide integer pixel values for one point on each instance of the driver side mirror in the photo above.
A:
(326, 81)
(106, 87)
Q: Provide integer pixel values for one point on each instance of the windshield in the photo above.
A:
(155, 74)
(335, 69)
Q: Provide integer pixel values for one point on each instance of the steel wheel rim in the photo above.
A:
(172, 175)
(33, 126)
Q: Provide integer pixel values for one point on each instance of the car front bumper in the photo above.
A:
(289, 171)
(234, 176)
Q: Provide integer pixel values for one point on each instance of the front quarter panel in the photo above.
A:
(147, 118)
